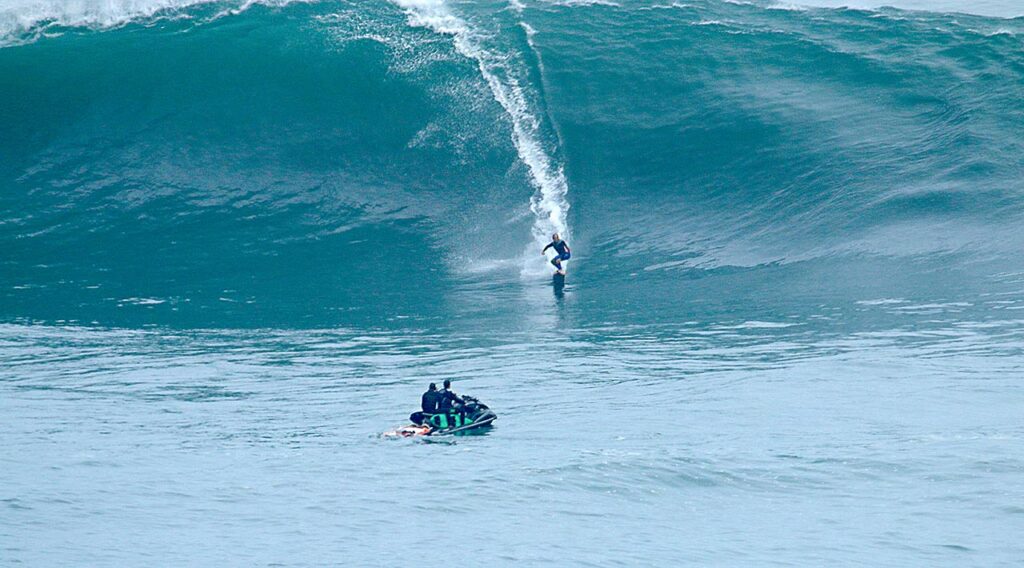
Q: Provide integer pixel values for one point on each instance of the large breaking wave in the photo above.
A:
(311, 158)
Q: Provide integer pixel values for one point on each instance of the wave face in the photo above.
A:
(208, 163)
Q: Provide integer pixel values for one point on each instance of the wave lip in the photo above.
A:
(23, 21)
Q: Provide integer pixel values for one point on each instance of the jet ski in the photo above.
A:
(471, 415)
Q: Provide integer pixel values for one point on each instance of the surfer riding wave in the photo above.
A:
(562, 252)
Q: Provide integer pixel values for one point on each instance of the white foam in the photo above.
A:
(18, 17)
(144, 301)
(548, 203)
(584, 3)
(882, 302)
(33, 18)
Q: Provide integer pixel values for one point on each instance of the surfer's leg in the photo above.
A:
(557, 261)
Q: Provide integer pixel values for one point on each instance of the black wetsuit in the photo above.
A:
(448, 398)
(430, 401)
(562, 248)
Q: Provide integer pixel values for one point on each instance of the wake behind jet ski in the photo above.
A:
(444, 412)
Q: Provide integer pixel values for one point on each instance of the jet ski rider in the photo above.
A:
(448, 398)
(430, 400)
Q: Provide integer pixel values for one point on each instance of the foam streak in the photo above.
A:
(548, 204)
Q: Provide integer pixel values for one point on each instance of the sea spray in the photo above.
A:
(548, 203)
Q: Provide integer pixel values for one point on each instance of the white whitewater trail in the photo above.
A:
(548, 203)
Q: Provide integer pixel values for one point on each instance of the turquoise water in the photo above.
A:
(239, 240)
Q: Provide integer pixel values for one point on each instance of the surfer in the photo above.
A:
(448, 399)
(562, 252)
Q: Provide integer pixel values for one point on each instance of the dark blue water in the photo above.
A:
(239, 240)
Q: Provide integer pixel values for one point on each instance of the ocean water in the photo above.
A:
(239, 239)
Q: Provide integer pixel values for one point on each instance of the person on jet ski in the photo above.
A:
(429, 403)
(430, 400)
(449, 399)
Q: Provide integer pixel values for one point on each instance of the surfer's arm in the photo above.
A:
(545, 249)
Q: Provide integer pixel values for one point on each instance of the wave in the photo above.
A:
(264, 153)
(778, 136)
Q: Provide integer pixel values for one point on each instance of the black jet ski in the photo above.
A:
(471, 415)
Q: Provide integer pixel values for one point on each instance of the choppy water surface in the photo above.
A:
(240, 239)
(715, 442)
